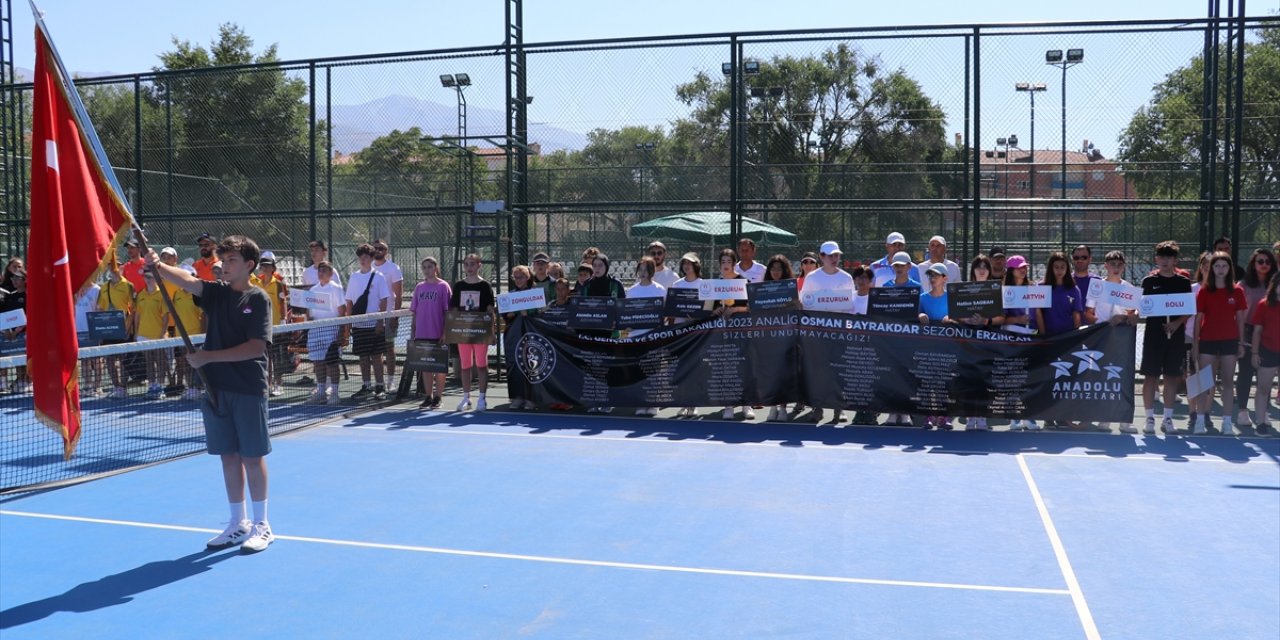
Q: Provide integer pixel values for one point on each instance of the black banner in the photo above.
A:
(468, 327)
(894, 303)
(107, 325)
(684, 303)
(967, 298)
(593, 312)
(640, 313)
(772, 294)
(427, 356)
(557, 314)
(837, 361)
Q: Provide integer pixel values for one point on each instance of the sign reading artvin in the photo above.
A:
(836, 361)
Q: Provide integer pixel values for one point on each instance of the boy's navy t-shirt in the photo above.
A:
(233, 318)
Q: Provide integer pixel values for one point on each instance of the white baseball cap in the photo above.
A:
(830, 248)
(169, 251)
(895, 238)
(902, 257)
(268, 255)
(941, 240)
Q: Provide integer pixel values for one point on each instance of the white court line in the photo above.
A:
(569, 561)
(1073, 585)
(777, 444)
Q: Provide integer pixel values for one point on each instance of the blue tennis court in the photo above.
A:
(408, 524)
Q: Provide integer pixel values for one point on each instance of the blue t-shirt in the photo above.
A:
(935, 308)
(1063, 302)
(911, 282)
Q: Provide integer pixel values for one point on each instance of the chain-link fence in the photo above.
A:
(976, 133)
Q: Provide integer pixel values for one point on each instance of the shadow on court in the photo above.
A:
(116, 589)
(706, 427)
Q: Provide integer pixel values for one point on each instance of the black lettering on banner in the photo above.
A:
(836, 360)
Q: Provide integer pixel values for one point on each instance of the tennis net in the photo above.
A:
(139, 402)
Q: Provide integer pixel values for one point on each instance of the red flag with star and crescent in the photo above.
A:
(78, 219)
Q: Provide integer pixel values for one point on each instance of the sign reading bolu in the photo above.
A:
(836, 361)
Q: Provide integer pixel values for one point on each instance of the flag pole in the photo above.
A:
(173, 312)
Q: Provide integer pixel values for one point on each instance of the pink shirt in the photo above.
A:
(428, 304)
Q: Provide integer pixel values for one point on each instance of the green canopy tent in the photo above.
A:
(710, 228)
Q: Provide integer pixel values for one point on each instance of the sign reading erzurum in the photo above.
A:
(838, 300)
(964, 299)
(468, 327)
(837, 360)
(735, 289)
(894, 303)
(772, 294)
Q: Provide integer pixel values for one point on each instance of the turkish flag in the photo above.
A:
(77, 220)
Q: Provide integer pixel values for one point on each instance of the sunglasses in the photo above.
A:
(1079, 257)
(1262, 261)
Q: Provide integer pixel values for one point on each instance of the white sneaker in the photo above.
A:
(840, 416)
(1015, 425)
(465, 405)
(317, 397)
(685, 412)
(480, 404)
(261, 537)
(1168, 427)
(1198, 428)
(333, 397)
(1243, 419)
(773, 415)
(1227, 427)
(235, 533)
(748, 414)
(1032, 425)
(276, 390)
(728, 413)
(1150, 427)
(1128, 428)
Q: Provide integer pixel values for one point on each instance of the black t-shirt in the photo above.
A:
(13, 301)
(471, 297)
(1158, 285)
(233, 318)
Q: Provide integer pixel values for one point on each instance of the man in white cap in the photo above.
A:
(938, 255)
(829, 278)
(882, 269)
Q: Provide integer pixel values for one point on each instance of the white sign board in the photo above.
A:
(1200, 382)
(828, 300)
(1168, 304)
(513, 301)
(1115, 293)
(1033, 297)
(13, 319)
(312, 299)
(735, 289)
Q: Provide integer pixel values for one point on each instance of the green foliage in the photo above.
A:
(1161, 148)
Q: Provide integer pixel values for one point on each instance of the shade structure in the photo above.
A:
(710, 228)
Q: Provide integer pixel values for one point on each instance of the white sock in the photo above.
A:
(237, 512)
(333, 388)
(1168, 413)
(260, 511)
(1151, 413)
(320, 388)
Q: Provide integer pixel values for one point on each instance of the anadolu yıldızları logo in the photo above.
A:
(536, 357)
(1087, 378)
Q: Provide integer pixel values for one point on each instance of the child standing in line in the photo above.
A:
(429, 302)
(473, 293)
(150, 321)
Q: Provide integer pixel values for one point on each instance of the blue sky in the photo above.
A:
(95, 36)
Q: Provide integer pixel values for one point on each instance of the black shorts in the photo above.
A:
(1163, 355)
(1269, 358)
(366, 342)
(1219, 347)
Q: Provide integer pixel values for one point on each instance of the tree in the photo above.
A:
(1161, 148)
(246, 128)
(409, 169)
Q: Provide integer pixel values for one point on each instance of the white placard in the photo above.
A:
(1095, 291)
(1116, 293)
(312, 299)
(13, 319)
(1168, 304)
(1032, 297)
(1020, 328)
(1200, 382)
(828, 300)
(735, 289)
(513, 301)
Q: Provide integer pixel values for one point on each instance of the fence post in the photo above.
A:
(311, 156)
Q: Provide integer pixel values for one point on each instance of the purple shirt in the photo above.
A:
(1064, 302)
(428, 304)
(1082, 282)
